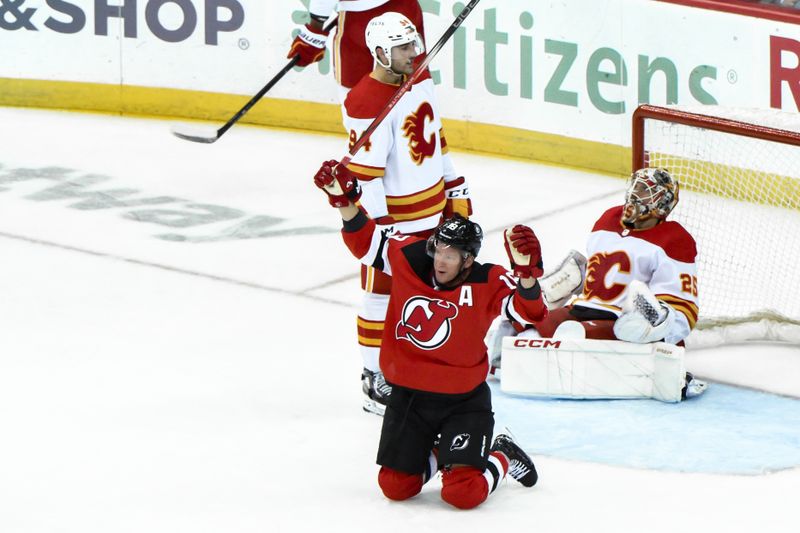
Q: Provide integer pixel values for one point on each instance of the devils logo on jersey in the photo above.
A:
(460, 442)
(414, 127)
(426, 322)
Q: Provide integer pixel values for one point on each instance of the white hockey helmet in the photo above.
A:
(389, 30)
(652, 194)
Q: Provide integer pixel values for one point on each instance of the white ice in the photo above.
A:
(166, 378)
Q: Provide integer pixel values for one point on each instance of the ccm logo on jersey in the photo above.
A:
(426, 322)
(536, 343)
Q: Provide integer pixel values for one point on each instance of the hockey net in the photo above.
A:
(739, 173)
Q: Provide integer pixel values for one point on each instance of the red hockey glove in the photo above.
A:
(338, 183)
(524, 251)
(309, 45)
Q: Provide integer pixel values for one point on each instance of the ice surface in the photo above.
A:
(177, 350)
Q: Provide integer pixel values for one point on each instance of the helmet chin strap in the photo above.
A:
(389, 67)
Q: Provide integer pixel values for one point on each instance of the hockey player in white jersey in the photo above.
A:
(640, 279)
(408, 181)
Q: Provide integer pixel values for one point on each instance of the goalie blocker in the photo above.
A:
(592, 369)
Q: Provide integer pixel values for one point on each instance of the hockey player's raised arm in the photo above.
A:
(524, 253)
(309, 44)
(524, 305)
(342, 189)
(341, 186)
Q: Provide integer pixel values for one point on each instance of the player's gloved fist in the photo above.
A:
(338, 183)
(309, 45)
(524, 251)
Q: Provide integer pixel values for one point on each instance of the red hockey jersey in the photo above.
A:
(434, 338)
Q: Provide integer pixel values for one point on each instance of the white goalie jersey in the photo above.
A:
(663, 258)
(404, 168)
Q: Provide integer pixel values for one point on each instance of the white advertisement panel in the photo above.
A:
(572, 68)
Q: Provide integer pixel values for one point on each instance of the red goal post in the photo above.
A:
(739, 172)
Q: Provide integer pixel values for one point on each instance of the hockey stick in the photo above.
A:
(403, 89)
(208, 135)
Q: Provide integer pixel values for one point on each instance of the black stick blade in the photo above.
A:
(194, 133)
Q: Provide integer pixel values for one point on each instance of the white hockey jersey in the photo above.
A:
(662, 257)
(404, 168)
(325, 7)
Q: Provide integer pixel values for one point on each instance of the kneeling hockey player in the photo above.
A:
(441, 305)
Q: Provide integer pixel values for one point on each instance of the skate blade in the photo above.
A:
(371, 406)
(695, 388)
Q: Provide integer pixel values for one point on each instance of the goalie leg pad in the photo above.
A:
(570, 329)
(592, 369)
(495, 342)
(586, 329)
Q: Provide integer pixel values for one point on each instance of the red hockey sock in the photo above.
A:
(398, 485)
(464, 487)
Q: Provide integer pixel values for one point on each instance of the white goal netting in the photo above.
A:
(740, 199)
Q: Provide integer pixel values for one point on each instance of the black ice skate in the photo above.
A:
(694, 387)
(520, 466)
(376, 391)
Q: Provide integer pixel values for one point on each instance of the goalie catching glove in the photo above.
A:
(524, 251)
(644, 318)
(559, 285)
(338, 183)
(309, 45)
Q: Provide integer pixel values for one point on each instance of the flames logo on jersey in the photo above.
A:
(414, 128)
(426, 322)
(597, 269)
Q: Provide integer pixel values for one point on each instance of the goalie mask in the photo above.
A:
(389, 30)
(651, 195)
(459, 233)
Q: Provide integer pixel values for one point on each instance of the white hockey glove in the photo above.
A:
(644, 318)
(559, 285)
